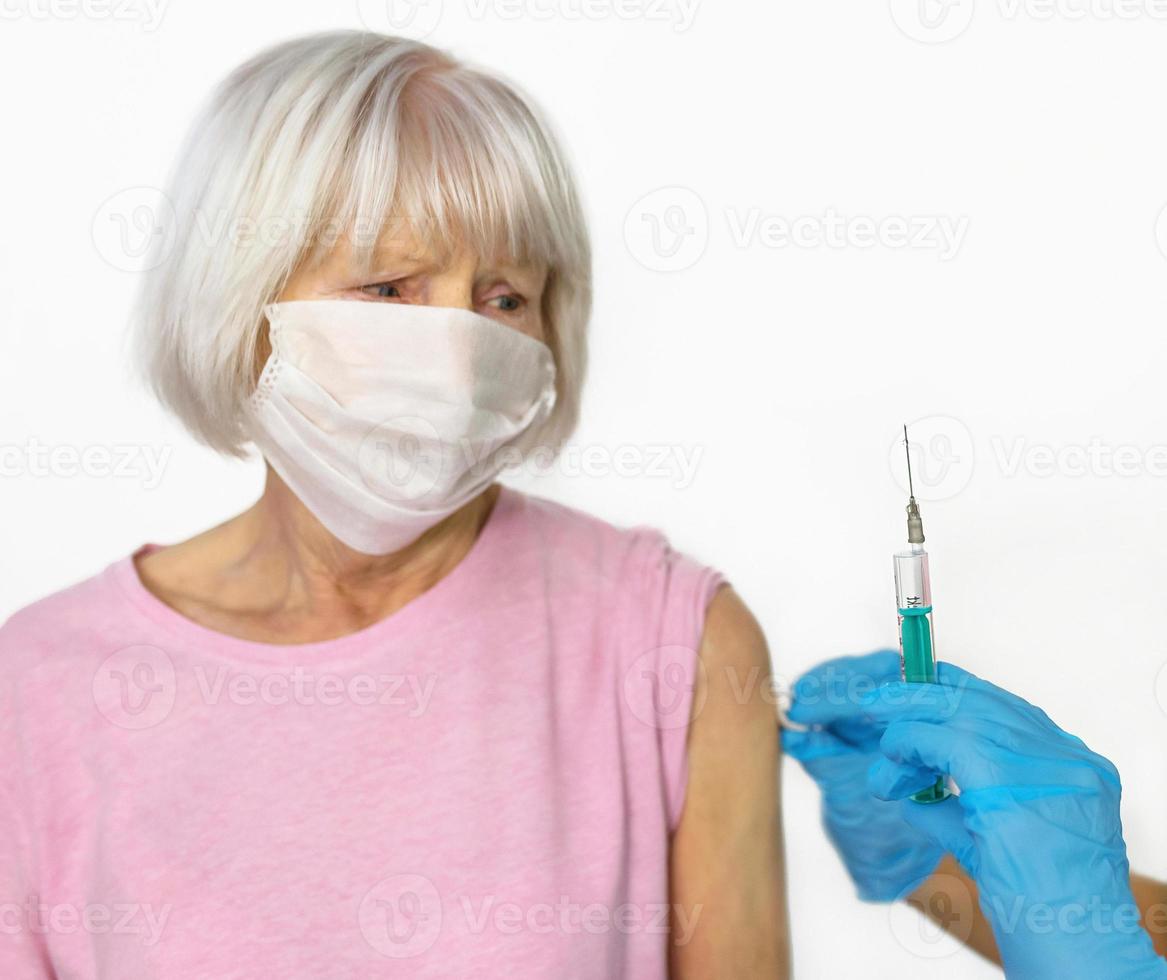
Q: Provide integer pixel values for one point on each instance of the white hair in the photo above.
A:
(342, 133)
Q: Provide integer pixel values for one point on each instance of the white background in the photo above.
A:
(787, 367)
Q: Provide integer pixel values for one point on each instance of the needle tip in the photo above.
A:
(908, 457)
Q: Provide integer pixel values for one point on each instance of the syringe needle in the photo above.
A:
(908, 456)
(915, 524)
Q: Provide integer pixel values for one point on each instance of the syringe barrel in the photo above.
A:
(917, 642)
(914, 605)
(913, 585)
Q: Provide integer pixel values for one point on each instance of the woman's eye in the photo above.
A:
(382, 290)
(509, 303)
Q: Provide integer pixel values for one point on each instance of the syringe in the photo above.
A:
(914, 604)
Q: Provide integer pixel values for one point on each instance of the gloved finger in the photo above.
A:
(813, 744)
(901, 700)
(887, 780)
(983, 712)
(944, 825)
(822, 743)
(983, 761)
(834, 766)
(980, 707)
(832, 691)
(858, 734)
(972, 760)
(954, 676)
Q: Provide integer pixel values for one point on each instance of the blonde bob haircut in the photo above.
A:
(344, 134)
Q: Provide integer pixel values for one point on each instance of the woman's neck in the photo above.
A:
(275, 574)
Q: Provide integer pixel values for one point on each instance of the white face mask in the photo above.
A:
(385, 418)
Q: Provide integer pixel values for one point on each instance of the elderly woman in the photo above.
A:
(394, 719)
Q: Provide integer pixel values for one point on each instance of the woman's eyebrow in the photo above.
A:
(525, 272)
(388, 263)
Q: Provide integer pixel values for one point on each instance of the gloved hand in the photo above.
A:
(885, 857)
(1036, 824)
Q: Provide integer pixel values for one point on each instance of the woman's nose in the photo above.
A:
(445, 292)
(454, 284)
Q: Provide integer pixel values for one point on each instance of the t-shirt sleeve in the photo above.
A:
(671, 596)
(23, 955)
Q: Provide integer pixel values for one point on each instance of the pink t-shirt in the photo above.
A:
(482, 784)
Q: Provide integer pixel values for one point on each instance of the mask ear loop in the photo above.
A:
(270, 373)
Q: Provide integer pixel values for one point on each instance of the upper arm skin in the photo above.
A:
(1151, 897)
(727, 876)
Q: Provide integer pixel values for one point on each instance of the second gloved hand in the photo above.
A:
(1036, 824)
(886, 858)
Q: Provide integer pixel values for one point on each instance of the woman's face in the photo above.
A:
(404, 270)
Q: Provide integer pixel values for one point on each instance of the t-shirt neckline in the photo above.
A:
(445, 593)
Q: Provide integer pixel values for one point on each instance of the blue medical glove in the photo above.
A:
(1036, 824)
(885, 857)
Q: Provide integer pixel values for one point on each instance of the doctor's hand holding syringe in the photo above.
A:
(1035, 825)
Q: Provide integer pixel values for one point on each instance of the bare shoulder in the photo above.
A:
(727, 858)
(734, 650)
(733, 737)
